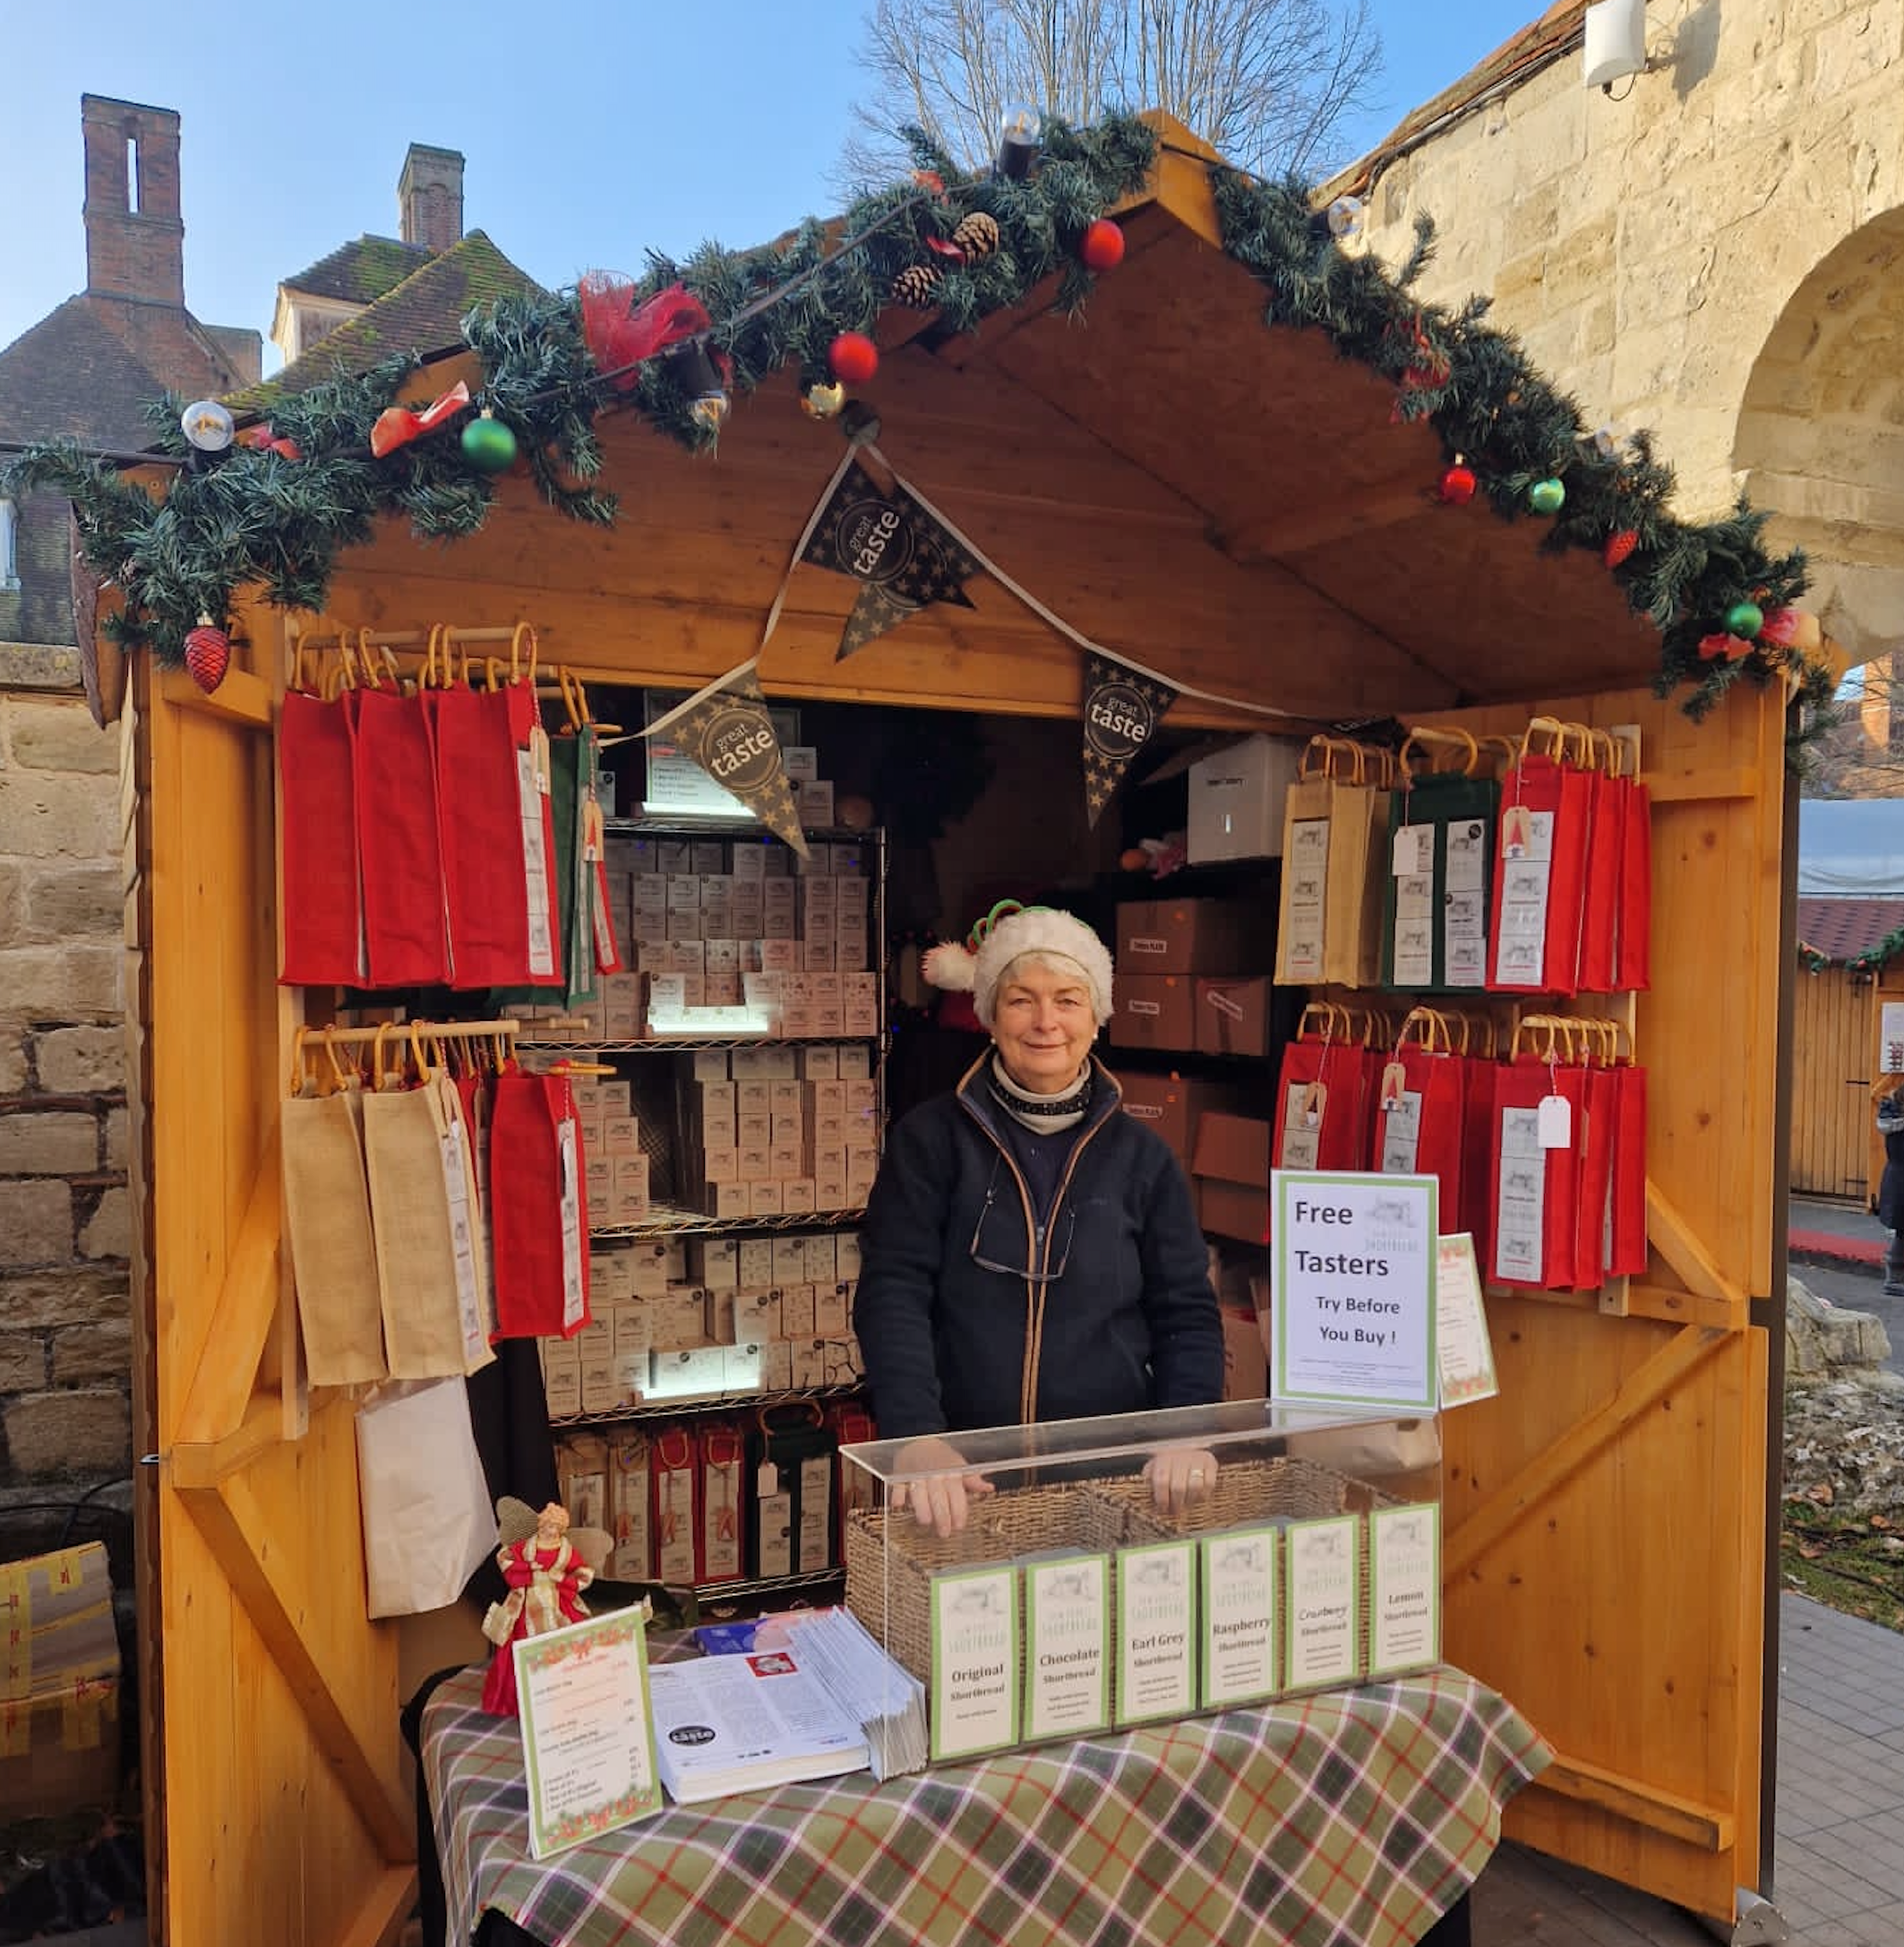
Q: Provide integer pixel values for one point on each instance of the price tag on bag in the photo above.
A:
(1412, 854)
(1553, 1122)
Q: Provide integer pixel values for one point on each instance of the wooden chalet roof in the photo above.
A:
(1230, 503)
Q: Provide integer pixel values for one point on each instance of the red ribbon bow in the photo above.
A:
(397, 425)
(619, 337)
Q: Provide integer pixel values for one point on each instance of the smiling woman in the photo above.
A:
(1082, 1288)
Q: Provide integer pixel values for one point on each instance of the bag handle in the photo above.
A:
(520, 633)
(1428, 1028)
(1432, 740)
(1552, 730)
(1510, 747)
(1334, 1023)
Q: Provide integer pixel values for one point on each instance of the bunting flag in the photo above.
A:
(1122, 710)
(725, 729)
(901, 556)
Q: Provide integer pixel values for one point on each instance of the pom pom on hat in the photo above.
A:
(1007, 933)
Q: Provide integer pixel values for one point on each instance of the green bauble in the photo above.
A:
(1745, 620)
(1547, 496)
(489, 445)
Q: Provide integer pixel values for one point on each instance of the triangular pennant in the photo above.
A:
(1121, 712)
(902, 557)
(727, 730)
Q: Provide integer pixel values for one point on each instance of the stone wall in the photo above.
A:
(1712, 254)
(65, 1327)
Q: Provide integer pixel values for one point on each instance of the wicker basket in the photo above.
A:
(891, 1560)
(1254, 1491)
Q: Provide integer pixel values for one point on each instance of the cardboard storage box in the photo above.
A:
(1231, 1169)
(1194, 936)
(1171, 1105)
(1246, 1355)
(1236, 798)
(1233, 1015)
(61, 1685)
(1155, 1010)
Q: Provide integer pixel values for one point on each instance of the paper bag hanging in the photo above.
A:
(1420, 1101)
(538, 1207)
(1626, 1240)
(1539, 856)
(1593, 1138)
(328, 1228)
(429, 1524)
(1335, 828)
(317, 835)
(1481, 1068)
(1633, 929)
(1440, 865)
(417, 1155)
(400, 845)
(674, 1521)
(497, 828)
(1321, 1095)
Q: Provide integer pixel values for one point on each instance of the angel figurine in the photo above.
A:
(547, 1573)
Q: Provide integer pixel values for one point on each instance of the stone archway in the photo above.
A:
(1819, 438)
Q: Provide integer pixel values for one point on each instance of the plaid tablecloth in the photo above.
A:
(1353, 1819)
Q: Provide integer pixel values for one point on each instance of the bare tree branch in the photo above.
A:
(1268, 82)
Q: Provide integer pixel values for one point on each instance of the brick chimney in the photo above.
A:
(135, 241)
(430, 196)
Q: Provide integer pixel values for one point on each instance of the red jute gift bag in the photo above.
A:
(1420, 1106)
(1633, 944)
(1626, 1244)
(1601, 868)
(496, 825)
(1541, 841)
(317, 835)
(538, 1207)
(399, 851)
(1594, 1134)
(1321, 1093)
(1534, 1178)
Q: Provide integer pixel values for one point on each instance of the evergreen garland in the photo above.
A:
(244, 516)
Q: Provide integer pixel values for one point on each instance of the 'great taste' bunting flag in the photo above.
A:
(901, 557)
(725, 729)
(1122, 710)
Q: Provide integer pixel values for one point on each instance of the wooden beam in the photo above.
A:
(1690, 786)
(242, 696)
(1710, 1828)
(275, 1616)
(243, 1312)
(380, 1921)
(1675, 1240)
(203, 1463)
(1508, 1504)
(1686, 1308)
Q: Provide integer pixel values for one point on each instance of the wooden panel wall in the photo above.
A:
(280, 1793)
(1604, 1556)
(1834, 1050)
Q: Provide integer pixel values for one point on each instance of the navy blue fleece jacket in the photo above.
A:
(1131, 1324)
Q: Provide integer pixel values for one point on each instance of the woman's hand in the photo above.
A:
(1179, 1477)
(941, 1501)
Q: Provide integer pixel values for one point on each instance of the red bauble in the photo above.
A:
(853, 358)
(208, 654)
(1457, 484)
(1619, 546)
(1101, 246)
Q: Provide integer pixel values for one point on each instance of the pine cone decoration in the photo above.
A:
(977, 236)
(916, 287)
(208, 654)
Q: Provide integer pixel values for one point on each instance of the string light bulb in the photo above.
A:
(1020, 128)
(207, 425)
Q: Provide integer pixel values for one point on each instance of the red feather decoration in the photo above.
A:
(619, 336)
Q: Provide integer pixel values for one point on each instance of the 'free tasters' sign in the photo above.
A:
(1353, 1290)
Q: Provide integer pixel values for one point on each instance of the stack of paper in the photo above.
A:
(882, 1696)
(726, 1724)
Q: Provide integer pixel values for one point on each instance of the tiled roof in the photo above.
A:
(87, 369)
(360, 272)
(421, 314)
(1532, 47)
(1843, 928)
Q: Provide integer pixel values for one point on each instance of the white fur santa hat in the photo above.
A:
(1009, 932)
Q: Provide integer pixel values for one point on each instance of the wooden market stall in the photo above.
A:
(1233, 505)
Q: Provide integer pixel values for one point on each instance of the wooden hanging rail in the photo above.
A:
(345, 1037)
(400, 638)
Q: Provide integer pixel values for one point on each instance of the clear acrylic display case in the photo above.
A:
(1307, 1557)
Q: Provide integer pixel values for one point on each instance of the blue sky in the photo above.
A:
(591, 135)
